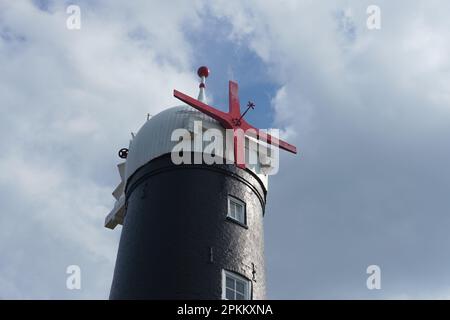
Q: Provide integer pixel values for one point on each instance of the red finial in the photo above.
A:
(203, 71)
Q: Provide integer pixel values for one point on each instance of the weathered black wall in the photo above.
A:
(176, 216)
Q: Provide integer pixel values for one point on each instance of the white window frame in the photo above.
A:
(236, 277)
(236, 201)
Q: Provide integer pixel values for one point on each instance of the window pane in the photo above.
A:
(230, 283)
(236, 210)
(240, 287)
(230, 294)
(236, 287)
(240, 214)
(239, 296)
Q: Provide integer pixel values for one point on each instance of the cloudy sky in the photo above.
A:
(369, 111)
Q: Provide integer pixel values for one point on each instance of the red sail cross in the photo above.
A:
(234, 120)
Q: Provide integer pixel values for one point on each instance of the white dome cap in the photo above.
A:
(154, 137)
(153, 140)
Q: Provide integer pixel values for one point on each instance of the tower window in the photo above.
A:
(236, 210)
(235, 287)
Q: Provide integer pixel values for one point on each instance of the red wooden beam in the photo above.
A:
(233, 120)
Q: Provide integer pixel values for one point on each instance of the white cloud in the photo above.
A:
(368, 110)
(371, 118)
(68, 101)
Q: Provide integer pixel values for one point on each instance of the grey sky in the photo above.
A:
(368, 110)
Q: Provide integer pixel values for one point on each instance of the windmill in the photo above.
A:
(191, 231)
